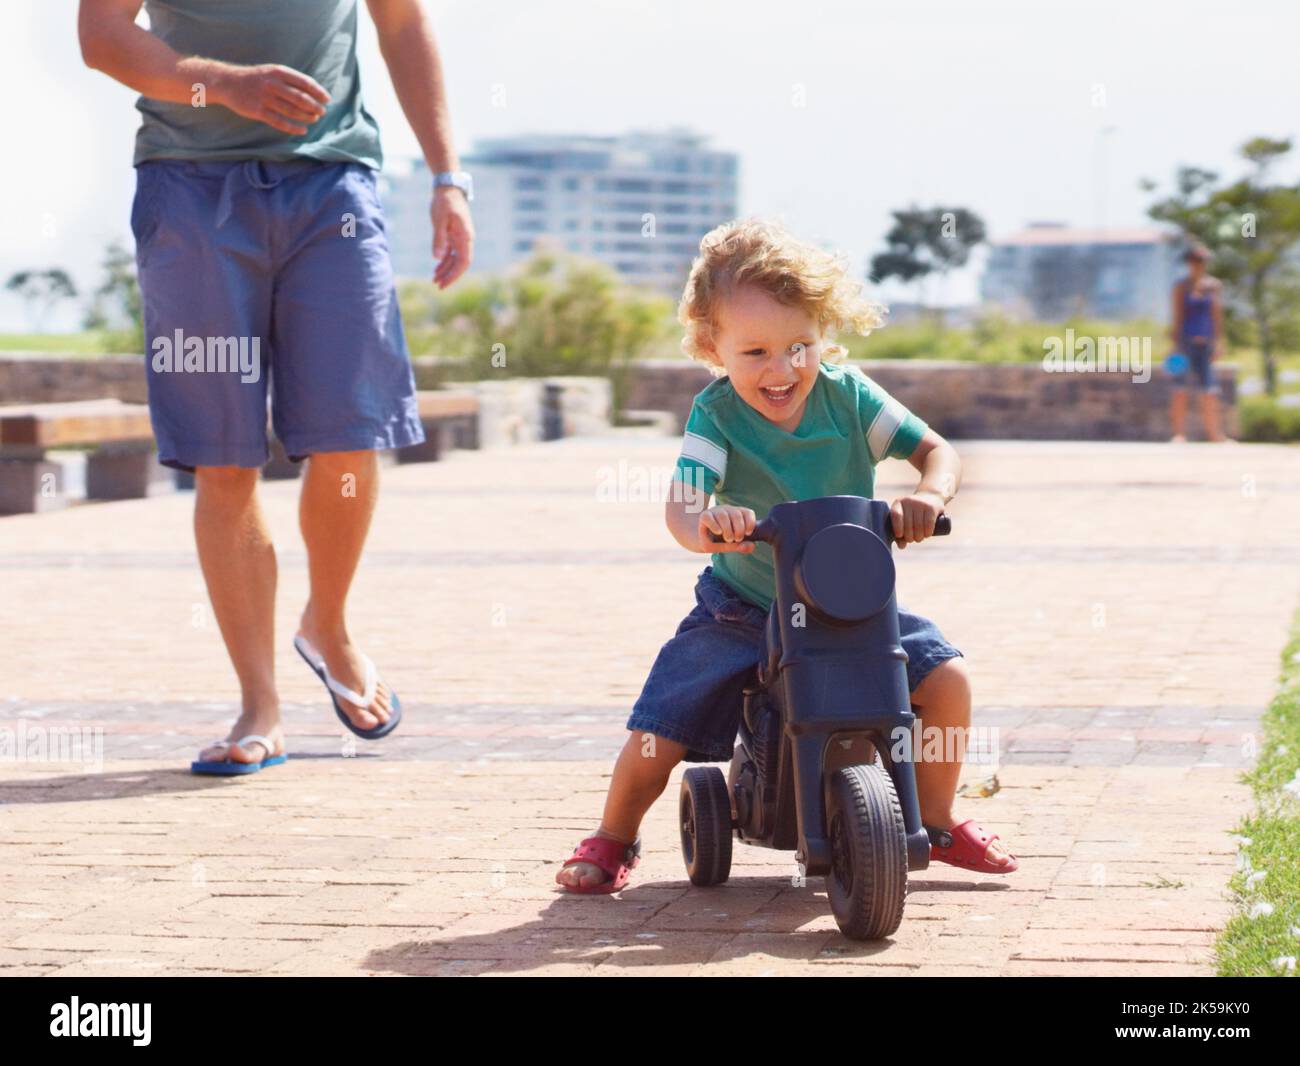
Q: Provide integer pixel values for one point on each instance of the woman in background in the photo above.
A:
(1198, 333)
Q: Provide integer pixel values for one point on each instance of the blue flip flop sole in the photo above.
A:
(226, 768)
(379, 731)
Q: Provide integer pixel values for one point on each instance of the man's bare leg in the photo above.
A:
(338, 498)
(238, 562)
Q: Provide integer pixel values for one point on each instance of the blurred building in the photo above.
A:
(639, 202)
(1050, 271)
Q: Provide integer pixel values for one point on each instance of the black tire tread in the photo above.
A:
(709, 861)
(874, 819)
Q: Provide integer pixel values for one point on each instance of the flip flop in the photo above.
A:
(964, 845)
(316, 661)
(226, 768)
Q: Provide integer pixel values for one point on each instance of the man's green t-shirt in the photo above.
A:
(314, 37)
(849, 424)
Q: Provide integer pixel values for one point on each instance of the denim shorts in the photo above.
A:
(695, 692)
(1199, 365)
(269, 280)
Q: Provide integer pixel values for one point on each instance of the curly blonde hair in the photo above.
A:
(762, 253)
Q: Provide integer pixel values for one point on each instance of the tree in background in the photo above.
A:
(1252, 228)
(925, 241)
(41, 291)
(118, 297)
(554, 314)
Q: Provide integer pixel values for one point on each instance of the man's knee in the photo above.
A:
(342, 461)
(226, 480)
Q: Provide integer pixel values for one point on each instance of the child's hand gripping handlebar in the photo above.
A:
(765, 531)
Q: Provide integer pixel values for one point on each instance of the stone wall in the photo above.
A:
(982, 400)
(960, 399)
(54, 379)
(512, 411)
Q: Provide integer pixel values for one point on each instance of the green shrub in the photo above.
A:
(992, 338)
(1264, 419)
(554, 314)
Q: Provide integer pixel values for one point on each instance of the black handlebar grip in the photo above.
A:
(943, 527)
(763, 531)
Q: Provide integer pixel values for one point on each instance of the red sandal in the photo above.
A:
(965, 845)
(615, 858)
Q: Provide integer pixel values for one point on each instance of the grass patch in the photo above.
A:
(1250, 946)
(87, 343)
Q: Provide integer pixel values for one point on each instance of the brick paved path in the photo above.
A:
(1121, 607)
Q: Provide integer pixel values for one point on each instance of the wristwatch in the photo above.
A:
(459, 178)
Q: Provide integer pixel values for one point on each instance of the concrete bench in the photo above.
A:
(450, 420)
(120, 466)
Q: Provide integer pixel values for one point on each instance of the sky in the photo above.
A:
(840, 112)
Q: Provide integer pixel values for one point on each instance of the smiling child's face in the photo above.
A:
(770, 352)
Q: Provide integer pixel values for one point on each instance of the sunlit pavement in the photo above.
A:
(1121, 608)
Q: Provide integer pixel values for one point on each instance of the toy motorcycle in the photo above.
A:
(824, 761)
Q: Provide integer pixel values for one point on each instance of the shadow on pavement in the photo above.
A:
(586, 931)
(127, 784)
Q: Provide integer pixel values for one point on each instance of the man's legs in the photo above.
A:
(238, 561)
(338, 500)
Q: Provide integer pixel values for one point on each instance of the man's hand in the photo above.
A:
(913, 517)
(281, 97)
(453, 234)
(732, 524)
(411, 55)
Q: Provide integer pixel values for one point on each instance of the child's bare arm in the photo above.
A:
(691, 522)
(914, 516)
(281, 97)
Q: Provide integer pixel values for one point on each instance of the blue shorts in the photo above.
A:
(695, 692)
(1199, 365)
(269, 279)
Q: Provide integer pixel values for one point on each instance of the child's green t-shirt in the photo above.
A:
(730, 450)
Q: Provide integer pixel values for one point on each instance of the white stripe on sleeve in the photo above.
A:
(880, 434)
(703, 450)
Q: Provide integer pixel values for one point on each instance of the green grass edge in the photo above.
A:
(1248, 947)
